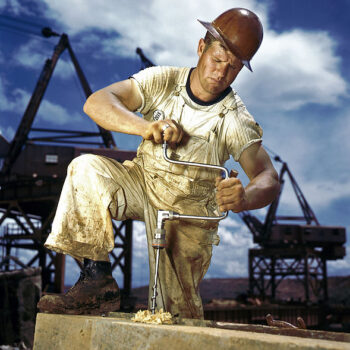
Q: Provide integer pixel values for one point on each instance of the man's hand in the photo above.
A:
(231, 194)
(164, 130)
(263, 186)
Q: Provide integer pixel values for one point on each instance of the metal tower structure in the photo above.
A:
(145, 62)
(32, 175)
(292, 246)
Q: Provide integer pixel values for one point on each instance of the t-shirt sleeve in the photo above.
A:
(241, 130)
(153, 84)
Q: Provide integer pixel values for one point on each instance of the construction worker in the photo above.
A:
(203, 119)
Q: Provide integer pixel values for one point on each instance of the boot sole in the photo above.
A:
(93, 309)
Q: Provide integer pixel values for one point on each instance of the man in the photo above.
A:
(203, 119)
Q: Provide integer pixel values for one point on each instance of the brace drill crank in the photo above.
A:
(159, 241)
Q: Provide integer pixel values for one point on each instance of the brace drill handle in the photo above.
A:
(224, 173)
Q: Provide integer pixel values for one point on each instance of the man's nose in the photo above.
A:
(221, 71)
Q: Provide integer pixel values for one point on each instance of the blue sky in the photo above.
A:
(299, 91)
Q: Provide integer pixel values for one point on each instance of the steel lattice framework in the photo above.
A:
(29, 231)
(292, 246)
(31, 180)
(268, 268)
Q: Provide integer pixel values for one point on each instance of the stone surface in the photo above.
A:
(93, 332)
(19, 293)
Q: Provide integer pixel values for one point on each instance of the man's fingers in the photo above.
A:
(175, 132)
(157, 136)
(230, 203)
(171, 132)
(159, 130)
(227, 192)
(218, 180)
(230, 194)
(233, 208)
(226, 183)
(168, 133)
(164, 130)
(180, 136)
(233, 174)
(229, 198)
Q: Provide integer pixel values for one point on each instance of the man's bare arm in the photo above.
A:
(262, 188)
(113, 108)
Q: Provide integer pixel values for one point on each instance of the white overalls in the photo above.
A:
(98, 188)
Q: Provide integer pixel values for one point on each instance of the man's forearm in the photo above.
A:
(262, 190)
(108, 111)
(112, 108)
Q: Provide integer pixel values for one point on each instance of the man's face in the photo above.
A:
(217, 68)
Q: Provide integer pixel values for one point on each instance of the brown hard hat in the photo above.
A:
(240, 30)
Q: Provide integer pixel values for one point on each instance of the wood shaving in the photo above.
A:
(146, 316)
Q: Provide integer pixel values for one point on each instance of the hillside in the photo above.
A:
(236, 288)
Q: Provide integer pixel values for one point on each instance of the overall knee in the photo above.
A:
(83, 164)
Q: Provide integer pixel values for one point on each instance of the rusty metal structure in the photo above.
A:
(145, 62)
(32, 174)
(292, 246)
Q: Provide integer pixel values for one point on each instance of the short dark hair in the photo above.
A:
(208, 40)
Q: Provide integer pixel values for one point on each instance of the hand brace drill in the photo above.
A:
(159, 241)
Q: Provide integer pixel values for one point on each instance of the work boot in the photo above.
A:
(96, 292)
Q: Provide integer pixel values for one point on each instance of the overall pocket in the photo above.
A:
(196, 150)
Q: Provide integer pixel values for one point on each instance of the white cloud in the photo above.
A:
(140, 269)
(316, 152)
(56, 114)
(3, 98)
(293, 69)
(338, 146)
(15, 7)
(230, 258)
(323, 192)
(30, 55)
(33, 55)
(16, 101)
(340, 267)
(8, 132)
(48, 111)
(13, 103)
(167, 32)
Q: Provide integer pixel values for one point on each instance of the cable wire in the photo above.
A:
(276, 157)
(22, 30)
(21, 20)
(21, 25)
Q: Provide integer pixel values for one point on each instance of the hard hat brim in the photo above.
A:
(211, 29)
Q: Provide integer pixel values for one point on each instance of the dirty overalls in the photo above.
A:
(98, 188)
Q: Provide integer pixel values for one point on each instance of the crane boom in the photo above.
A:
(24, 128)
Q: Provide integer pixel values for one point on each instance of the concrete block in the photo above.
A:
(20, 291)
(104, 333)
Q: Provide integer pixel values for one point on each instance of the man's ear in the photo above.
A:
(201, 46)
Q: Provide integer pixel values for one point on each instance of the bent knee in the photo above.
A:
(84, 162)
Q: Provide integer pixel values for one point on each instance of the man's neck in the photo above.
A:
(194, 91)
